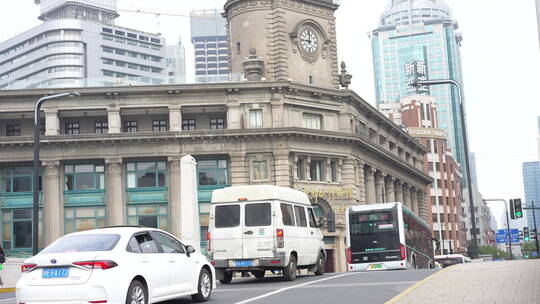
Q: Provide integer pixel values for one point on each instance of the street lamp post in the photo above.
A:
(37, 133)
(507, 222)
(417, 83)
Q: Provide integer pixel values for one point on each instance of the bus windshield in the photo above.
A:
(372, 232)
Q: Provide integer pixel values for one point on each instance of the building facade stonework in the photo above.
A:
(328, 143)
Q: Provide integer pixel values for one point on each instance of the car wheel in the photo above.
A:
(259, 274)
(204, 289)
(227, 278)
(320, 265)
(137, 293)
(289, 272)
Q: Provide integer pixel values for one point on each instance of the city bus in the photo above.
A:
(387, 236)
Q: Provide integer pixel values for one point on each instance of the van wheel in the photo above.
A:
(320, 265)
(227, 278)
(289, 272)
(259, 274)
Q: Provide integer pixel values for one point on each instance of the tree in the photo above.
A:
(494, 252)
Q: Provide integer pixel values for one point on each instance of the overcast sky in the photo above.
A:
(501, 66)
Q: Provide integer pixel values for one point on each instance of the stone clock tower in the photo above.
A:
(294, 39)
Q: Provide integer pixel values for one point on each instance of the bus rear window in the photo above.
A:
(365, 223)
(227, 216)
(258, 215)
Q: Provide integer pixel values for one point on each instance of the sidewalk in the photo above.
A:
(488, 282)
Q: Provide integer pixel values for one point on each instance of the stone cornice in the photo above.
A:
(189, 137)
(287, 87)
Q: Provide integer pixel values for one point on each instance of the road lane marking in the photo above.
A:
(415, 286)
(3, 300)
(293, 287)
(321, 285)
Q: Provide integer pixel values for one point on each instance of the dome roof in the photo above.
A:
(399, 12)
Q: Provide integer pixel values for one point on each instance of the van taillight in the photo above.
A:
(280, 241)
(402, 251)
(349, 255)
(209, 241)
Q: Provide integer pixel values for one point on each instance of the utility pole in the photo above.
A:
(535, 227)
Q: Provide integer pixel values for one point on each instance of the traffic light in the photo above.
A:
(512, 212)
(518, 208)
(526, 236)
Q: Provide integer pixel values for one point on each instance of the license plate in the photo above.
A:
(52, 273)
(375, 266)
(244, 263)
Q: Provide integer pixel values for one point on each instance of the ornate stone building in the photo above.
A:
(112, 156)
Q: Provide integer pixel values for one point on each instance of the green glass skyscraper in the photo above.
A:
(420, 31)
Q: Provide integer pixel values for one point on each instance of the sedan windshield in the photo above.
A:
(83, 243)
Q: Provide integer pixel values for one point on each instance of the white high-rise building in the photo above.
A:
(78, 44)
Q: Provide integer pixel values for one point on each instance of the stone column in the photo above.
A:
(52, 122)
(414, 200)
(361, 182)
(371, 192)
(282, 168)
(114, 120)
(307, 168)
(239, 174)
(398, 188)
(423, 206)
(175, 199)
(115, 192)
(53, 205)
(390, 191)
(407, 196)
(175, 118)
(340, 253)
(379, 187)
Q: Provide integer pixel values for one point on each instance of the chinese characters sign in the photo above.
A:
(414, 71)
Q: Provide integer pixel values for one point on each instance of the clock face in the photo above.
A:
(309, 40)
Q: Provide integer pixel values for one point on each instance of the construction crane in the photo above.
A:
(158, 13)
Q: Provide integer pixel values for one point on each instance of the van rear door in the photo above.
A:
(258, 232)
(226, 235)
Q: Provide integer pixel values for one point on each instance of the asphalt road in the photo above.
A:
(335, 288)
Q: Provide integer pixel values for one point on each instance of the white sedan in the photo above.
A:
(116, 265)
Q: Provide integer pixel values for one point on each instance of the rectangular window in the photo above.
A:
(300, 214)
(188, 124)
(312, 121)
(227, 216)
(101, 127)
(312, 220)
(315, 170)
(257, 215)
(84, 177)
(333, 171)
(212, 173)
(159, 125)
(146, 174)
(300, 169)
(130, 126)
(260, 170)
(72, 128)
(13, 130)
(84, 218)
(217, 123)
(287, 214)
(255, 118)
(152, 216)
(17, 179)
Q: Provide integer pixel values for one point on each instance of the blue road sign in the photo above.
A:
(502, 236)
(534, 253)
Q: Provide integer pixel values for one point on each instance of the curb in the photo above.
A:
(4, 290)
(414, 287)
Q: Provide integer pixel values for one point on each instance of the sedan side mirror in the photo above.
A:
(189, 250)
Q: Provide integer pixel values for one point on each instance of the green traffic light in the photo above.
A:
(518, 214)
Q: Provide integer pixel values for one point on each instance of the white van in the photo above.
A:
(260, 228)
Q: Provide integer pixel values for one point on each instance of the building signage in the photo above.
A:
(428, 133)
(414, 71)
(333, 193)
